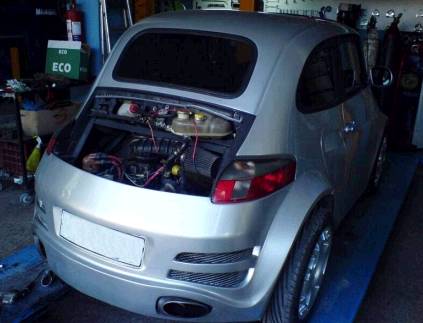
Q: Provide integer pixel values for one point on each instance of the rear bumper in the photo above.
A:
(170, 224)
(135, 294)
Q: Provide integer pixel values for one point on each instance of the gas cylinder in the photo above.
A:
(371, 44)
(74, 22)
(391, 58)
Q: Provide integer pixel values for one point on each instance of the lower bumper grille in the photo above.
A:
(214, 258)
(226, 280)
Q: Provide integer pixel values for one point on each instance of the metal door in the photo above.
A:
(319, 100)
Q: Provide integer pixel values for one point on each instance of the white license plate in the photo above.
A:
(107, 242)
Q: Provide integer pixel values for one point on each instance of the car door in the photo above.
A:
(319, 99)
(356, 114)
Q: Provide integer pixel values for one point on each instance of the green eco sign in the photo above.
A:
(67, 59)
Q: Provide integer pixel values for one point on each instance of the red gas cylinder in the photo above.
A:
(74, 22)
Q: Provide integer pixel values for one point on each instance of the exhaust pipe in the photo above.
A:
(47, 278)
(182, 307)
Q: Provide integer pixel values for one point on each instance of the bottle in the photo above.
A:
(128, 109)
(35, 157)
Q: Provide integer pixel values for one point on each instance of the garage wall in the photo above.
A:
(92, 31)
(407, 7)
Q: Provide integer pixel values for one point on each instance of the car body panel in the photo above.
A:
(269, 224)
(175, 223)
(321, 136)
(354, 111)
(269, 48)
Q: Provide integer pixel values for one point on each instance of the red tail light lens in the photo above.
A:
(51, 144)
(251, 180)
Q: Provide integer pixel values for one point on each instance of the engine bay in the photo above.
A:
(153, 143)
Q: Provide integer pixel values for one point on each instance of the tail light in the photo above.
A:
(51, 144)
(250, 180)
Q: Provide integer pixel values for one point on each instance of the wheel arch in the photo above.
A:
(310, 191)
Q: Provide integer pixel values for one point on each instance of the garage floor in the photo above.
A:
(15, 223)
(395, 294)
(396, 291)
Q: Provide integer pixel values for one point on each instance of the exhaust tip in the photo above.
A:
(182, 307)
(47, 278)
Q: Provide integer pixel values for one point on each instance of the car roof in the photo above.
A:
(271, 33)
(247, 24)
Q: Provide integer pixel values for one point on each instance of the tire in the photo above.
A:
(288, 296)
(378, 167)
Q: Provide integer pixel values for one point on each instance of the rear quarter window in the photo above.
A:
(219, 64)
(333, 73)
(317, 87)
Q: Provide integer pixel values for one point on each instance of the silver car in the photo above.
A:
(207, 170)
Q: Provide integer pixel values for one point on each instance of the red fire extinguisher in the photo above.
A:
(74, 22)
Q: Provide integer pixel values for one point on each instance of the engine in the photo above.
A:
(172, 155)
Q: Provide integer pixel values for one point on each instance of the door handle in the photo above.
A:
(350, 127)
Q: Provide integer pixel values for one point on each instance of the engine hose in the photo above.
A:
(144, 147)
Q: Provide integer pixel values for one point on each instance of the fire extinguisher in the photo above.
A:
(74, 22)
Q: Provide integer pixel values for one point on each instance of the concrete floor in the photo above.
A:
(394, 296)
(15, 222)
(396, 292)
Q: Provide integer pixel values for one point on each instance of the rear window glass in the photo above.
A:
(215, 63)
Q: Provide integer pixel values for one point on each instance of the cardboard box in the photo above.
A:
(45, 122)
(68, 58)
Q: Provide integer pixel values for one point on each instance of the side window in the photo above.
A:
(353, 74)
(317, 87)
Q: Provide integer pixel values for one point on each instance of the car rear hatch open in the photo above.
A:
(153, 141)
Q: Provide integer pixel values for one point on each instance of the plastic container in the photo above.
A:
(201, 124)
(128, 109)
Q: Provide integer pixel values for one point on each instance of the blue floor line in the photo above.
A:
(360, 243)
(17, 272)
(20, 262)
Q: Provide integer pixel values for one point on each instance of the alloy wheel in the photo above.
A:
(315, 272)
